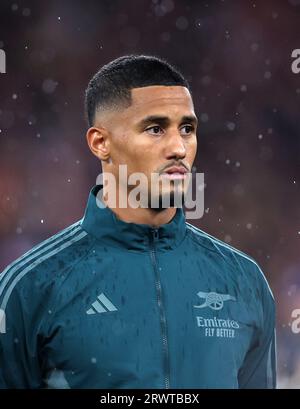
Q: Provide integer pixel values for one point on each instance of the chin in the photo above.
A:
(168, 199)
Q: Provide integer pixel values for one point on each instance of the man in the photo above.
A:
(137, 297)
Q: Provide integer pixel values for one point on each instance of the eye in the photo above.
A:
(189, 129)
(156, 130)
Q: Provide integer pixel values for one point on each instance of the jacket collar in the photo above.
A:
(103, 223)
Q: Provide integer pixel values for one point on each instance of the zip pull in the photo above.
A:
(155, 234)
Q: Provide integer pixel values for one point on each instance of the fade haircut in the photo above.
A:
(111, 85)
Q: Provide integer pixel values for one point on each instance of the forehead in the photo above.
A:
(146, 98)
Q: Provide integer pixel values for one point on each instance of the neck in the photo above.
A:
(140, 215)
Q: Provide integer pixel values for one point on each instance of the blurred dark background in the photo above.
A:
(237, 57)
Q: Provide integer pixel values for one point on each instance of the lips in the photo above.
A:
(176, 170)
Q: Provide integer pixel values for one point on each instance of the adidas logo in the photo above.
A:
(98, 305)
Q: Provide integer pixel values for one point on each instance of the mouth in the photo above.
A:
(176, 172)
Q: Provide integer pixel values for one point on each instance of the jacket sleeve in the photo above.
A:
(259, 367)
(19, 367)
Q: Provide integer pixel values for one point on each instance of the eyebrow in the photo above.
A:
(164, 121)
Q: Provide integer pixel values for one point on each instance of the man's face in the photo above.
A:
(156, 144)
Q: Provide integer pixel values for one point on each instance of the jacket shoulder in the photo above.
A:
(235, 258)
(44, 264)
(214, 244)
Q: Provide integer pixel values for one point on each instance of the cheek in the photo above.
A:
(143, 154)
(192, 150)
(136, 152)
(138, 160)
(119, 148)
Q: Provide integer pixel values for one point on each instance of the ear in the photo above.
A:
(98, 141)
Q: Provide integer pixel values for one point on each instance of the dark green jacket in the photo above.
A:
(110, 304)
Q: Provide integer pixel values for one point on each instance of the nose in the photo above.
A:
(175, 146)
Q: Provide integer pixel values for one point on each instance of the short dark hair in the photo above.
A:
(112, 84)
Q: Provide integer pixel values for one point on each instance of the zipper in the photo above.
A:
(163, 321)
